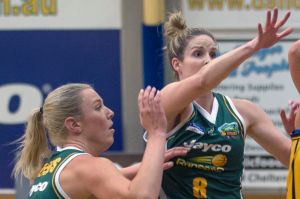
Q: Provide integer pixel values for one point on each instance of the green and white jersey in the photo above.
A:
(46, 185)
(213, 167)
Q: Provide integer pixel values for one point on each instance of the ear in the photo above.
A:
(72, 125)
(176, 65)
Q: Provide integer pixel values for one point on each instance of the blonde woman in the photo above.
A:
(78, 123)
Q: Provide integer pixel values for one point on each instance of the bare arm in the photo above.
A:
(178, 95)
(100, 178)
(262, 130)
(294, 63)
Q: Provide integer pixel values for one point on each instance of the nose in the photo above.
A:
(110, 113)
(207, 59)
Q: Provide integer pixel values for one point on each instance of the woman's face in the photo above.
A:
(199, 51)
(96, 120)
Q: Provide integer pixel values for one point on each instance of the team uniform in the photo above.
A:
(293, 181)
(46, 184)
(213, 167)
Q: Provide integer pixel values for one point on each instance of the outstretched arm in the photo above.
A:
(261, 128)
(178, 95)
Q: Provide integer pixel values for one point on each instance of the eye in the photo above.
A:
(198, 53)
(98, 107)
(213, 54)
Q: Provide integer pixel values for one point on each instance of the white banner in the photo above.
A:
(265, 80)
(60, 14)
(236, 14)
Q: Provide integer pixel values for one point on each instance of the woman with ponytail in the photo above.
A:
(80, 126)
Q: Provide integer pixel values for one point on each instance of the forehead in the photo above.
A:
(90, 96)
(201, 41)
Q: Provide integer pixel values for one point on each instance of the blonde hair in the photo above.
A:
(34, 148)
(178, 35)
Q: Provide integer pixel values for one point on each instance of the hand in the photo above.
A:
(289, 121)
(152, 115)
(268, 35)
(171, 153)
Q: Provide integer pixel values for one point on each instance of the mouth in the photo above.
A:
(111, 128)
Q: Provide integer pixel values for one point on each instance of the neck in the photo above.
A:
(82, 146)
(206, 101)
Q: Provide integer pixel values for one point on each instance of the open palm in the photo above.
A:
(269, 35)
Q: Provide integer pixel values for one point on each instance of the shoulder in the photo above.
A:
(87, 167)
(250, 111)
(244, 105)
(83, 162)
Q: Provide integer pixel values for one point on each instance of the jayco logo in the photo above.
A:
(26, 96)
(206, 147)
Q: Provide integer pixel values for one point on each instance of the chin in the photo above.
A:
(109, 144)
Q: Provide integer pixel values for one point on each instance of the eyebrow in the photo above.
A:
(201, 47)
(98, 101)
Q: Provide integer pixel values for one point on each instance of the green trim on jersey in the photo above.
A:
(213, 167)
(44, 185)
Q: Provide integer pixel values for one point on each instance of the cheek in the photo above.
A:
(193, 66)
(97, 121)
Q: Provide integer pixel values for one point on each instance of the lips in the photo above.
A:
(111, 128)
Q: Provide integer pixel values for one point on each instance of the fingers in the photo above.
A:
(171, 153)
(168, 165)
(268, 20)
(140, 99)
(285, 33)
(283, 21)
(145, 98)
(176, 151)
(260, 30)
(294, 105)
(151, 96)
(275, 17)
(283, 116)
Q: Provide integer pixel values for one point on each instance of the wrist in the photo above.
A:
(157, 134)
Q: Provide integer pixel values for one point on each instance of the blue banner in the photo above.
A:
(35, 62)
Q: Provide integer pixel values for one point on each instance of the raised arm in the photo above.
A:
(101, 178)
(178, 95)
(294, 63)
(153, 119)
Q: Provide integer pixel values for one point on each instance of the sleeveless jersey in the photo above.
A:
(46, 185)
(213, 167)
(293, 180)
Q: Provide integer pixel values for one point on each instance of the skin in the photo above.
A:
(200, 71)
(292, 121)
(90, 176)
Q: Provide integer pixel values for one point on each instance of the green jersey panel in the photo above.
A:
(46, 184)
(213, 167)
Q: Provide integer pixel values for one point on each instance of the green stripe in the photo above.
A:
(234, 115)
(53, 176)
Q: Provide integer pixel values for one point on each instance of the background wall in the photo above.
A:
(132, 80)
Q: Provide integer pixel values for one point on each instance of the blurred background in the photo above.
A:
(117, 46)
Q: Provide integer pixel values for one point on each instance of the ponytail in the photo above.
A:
(33, 148)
